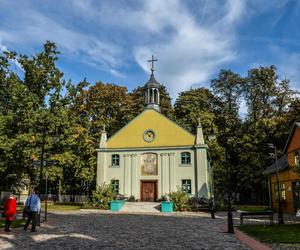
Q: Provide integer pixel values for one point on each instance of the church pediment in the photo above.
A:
(151, 129)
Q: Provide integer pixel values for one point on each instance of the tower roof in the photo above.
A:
(152, 83)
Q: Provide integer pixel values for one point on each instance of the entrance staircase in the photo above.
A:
(141, 207)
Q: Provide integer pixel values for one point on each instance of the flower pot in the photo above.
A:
(167, 207)
(116, 205)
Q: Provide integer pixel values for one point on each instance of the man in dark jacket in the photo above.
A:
(212, 206)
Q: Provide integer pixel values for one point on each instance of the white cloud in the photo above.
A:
(12, 61)
(37, 28)
(192, 52)
(288, 65)
(3, 47)
(189, 51)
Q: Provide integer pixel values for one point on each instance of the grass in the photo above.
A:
(251, 208)
(55, 207)
(15, 223)
(289, 233)
(52, 207)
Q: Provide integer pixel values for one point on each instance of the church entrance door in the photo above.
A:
(148, 190)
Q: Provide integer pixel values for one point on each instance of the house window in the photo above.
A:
(282, 191)
(115, 160)
(297, 158)
(115, 186)
(186, 186)
(185, 158)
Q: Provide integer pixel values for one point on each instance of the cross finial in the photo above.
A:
(152, 63)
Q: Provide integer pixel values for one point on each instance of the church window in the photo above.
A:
(185, 158)
(186, 186)
(115, 186)
(115, 160)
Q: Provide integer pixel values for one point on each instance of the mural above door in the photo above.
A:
(149, 164)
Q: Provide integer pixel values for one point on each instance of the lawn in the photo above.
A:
(52, 207)
(15, 223)
(251, 208)
(289, 233)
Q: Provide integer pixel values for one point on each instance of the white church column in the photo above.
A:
(172, 172)
(134, 175)
(101, 167)
(164, 174)
(201, 165)
(127, 175)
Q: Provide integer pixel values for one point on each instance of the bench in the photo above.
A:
(199, 204)
(262, 214)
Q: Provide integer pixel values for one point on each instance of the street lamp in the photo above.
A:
(211, 136)
(229, 213)
(280, 214)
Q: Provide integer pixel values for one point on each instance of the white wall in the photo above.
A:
(170, 170)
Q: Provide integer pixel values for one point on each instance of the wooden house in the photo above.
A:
(289, 180)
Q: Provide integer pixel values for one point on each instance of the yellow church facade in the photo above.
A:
(152, 156)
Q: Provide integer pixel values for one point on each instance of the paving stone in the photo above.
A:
(95, 230)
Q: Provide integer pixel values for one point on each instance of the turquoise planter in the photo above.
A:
(116, 205)
(167, 207)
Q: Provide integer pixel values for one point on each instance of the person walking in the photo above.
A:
(33, 206)
(212, 206)
(10, 210)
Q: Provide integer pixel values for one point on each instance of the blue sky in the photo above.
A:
(111, 41)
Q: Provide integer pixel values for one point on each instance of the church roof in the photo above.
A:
(152, 83)
(167, 132)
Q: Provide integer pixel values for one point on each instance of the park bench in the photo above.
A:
(262, 214)
(199, 204)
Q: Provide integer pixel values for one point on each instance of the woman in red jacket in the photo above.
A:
(10, 210)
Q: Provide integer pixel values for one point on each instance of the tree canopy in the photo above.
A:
(39, 109)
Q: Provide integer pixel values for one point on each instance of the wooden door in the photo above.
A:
(148, 190)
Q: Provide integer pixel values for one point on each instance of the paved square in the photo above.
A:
(94, 230)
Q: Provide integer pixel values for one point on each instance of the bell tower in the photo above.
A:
(152, 89)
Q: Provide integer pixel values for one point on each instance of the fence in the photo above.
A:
(51, 197)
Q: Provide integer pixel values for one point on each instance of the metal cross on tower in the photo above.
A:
(152, 63)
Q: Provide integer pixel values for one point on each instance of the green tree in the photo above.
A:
(192, 105)
(268, 102)
(227, 88)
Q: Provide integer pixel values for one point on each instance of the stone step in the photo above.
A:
(142, 207)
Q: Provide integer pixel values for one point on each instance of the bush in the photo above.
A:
(180, 200)
(165, 198)
(102, 196)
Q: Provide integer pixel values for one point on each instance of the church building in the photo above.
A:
(152, 155)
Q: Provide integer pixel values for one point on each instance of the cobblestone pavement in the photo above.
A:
(95, 230)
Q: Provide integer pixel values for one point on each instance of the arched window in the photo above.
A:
(115, 160)
(185, 158)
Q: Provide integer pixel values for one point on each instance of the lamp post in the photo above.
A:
(230, 228)
(229, 213)
(280, 214)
